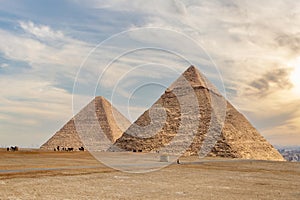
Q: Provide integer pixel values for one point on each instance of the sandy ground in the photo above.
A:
(77, 175)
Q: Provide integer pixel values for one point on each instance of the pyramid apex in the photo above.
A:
(100, 98)
(191, 70)
(193, 75)
(192, 67)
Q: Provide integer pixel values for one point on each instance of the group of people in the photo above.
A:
(58, 148)
(12, 148)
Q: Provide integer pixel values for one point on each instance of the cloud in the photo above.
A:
(167, 7)
(4, 65)
(33, 97)
(286, 131)
(31, 107)
(290, 42)
(271, 81)
(48, 53)
(35, 52)
(41, 31)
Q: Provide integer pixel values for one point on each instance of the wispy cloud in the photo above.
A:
(41, 31)
(271, 81)
(290, 42)
(35, 52)
(4, 65)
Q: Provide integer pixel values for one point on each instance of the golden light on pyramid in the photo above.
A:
(237, 138)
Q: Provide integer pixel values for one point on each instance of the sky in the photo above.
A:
(56, 55)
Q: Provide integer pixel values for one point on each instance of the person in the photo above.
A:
(7, 149)
(178, 162)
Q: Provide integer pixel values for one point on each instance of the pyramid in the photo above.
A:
(193, 118)
(95, 127)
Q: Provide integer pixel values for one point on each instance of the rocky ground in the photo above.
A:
(77, 175)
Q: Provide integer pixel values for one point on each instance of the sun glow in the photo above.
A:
(295, 76)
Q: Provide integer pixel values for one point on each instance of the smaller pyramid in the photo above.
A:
(95, 127)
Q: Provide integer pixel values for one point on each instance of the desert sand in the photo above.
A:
(77, 175)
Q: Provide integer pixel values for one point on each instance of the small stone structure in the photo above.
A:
(164, 158)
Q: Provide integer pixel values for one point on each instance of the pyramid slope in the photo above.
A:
(238, 138)
(98, 112)
(243, 139)
(65, 137)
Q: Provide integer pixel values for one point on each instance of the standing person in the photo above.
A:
(178, 162)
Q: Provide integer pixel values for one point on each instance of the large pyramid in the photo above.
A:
(192, 117)
(97, 123)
